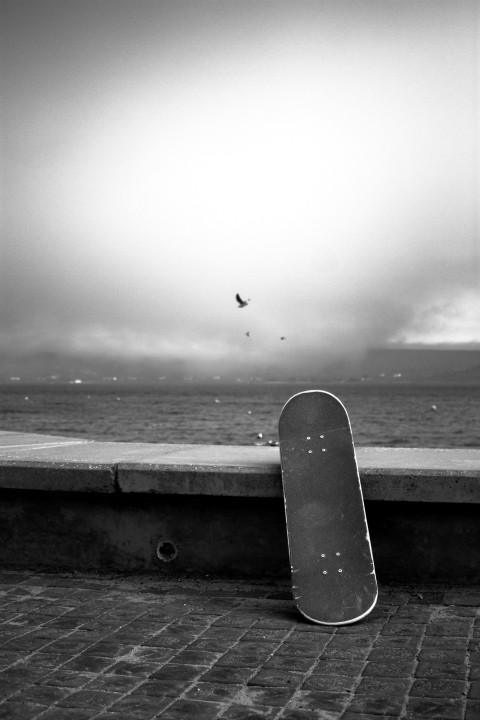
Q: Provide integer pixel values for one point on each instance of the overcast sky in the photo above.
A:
(319, 158)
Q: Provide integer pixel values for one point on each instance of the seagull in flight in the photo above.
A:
(241, 303)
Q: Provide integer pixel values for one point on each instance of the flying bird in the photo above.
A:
(241, 303)
(283, 337)
(247, 333)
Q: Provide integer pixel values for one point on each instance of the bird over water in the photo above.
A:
(241, 303)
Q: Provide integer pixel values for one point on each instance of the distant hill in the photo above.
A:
(418, 364)
(422, 364)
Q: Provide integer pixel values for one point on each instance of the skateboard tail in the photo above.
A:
(350, 621)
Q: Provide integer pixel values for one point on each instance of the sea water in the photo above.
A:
(390, 414)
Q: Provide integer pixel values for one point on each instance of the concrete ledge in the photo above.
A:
(216, 509)
(48, 463)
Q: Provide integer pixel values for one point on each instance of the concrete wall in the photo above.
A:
(215, 509)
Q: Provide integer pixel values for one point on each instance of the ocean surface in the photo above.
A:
(396, 414)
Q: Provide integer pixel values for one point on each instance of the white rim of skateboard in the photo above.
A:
(342, 622)
(369, 610)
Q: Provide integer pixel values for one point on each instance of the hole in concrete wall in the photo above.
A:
(166, 551)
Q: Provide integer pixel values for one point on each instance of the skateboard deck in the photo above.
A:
(333, 573)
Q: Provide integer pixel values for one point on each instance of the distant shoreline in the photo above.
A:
(388, 382)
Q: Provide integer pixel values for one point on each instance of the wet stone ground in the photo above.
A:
(80, 646)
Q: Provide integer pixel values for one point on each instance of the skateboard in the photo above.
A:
(333, 573)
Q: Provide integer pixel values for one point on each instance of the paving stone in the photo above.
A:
(213, 691)
(395, 654)
(442, 655)
(437, 688)
(271, 696)
(312, 715)
(291, 651)
(56, 713)
(8, 688)
(197, 657)
(219, 674)
(362, 628)
(440, 709)
(474, 690)
(346, 653)
(20, 674)
(174, 671)
(311, 644)
(138, 668)
(276, 678)
(474, 673)
(352, 715)
(452, 671)
(259, 634)
(317, 700)
(234, 659)
(263, 649)
(67, 678)
(41, 694)
(169, 640)
(339, 667)
(330, 683)
(89, 699)
(184, 709)
(49, 661)
(163, 688)
(472, 711)
(385, 686)
(23, 711)
(227, 634)
(448, 630)
(403, 627)
(474, 658)
(110, 649)
(140, 705)
(251, 712)
(296, 664)
(309, 629)
(414, 613)
(377, 705)
(126, 716)
(26, 643)
(70, 645)
(88, 664)
(402, 669)
(236, 621)
(211, 645)
(151, 655)
(463, 596)
(114, 683)
(398, 641)
(445, 642)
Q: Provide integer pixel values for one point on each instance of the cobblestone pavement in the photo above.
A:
(81, 646)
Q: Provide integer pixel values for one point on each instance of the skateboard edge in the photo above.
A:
(370, 608)
(342, 622)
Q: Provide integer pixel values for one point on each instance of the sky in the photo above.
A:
(318, 157)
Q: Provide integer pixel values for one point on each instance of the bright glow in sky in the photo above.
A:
(319, 158)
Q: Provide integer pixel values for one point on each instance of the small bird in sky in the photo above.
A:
(247, 333)
(283, 338)
(241, 303)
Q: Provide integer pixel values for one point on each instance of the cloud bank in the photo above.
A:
(321, 163)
